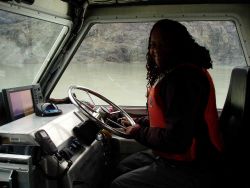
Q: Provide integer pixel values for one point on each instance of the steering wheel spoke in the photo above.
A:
(85, 104)
(115, 123)
(99, 113)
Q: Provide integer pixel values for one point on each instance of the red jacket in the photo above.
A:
(182, 115)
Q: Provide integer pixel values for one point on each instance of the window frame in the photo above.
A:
(45, 16)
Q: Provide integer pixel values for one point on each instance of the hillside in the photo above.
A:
(27, 40)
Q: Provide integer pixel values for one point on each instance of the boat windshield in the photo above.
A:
(25, 47)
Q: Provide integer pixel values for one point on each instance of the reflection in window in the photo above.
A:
(25, 43)
(112, 58)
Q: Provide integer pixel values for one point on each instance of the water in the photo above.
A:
(125, 84)
(122, 83)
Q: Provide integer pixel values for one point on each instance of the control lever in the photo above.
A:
(45, 142)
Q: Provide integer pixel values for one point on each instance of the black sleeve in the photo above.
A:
(184, 95)
(142, 121)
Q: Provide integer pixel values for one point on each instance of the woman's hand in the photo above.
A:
(128, 128)
(124, 121)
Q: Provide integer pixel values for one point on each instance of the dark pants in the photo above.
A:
(144, 170)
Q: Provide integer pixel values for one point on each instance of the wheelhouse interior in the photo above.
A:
(68, 65)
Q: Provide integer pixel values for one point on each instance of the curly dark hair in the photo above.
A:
(184, 49)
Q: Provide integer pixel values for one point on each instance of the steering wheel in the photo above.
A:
(99, 113)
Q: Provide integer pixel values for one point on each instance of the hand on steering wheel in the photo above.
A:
(124, 121)
(101, 114)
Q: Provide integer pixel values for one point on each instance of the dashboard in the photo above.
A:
(69, 144)
(59, 128)
(34, 145)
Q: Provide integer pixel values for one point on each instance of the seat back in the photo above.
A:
(235, 126)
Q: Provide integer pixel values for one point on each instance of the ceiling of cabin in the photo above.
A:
(134, 2)
(122, 2)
